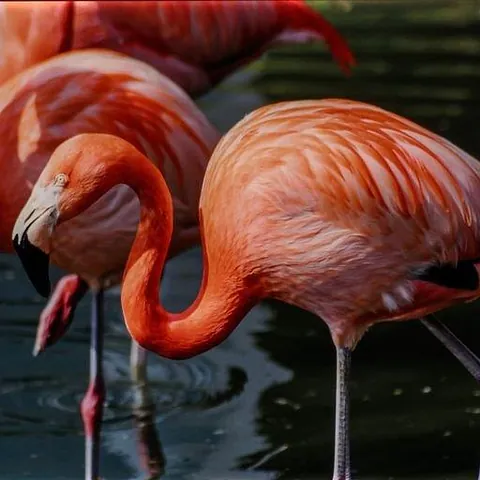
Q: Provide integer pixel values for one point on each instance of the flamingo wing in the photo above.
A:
(371, 171)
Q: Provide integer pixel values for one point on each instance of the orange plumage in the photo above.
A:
(100, 91)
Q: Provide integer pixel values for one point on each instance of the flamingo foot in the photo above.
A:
(57, 316)
(342, 441)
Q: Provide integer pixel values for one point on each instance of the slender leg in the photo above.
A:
(92, 403)
(468, 359)
(342, 439)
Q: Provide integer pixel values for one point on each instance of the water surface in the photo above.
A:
(260, 406)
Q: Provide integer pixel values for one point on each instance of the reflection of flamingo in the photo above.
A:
(196, 44)
(335, 206)
(101, 91)
(150, 449)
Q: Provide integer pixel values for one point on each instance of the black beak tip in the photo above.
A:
(35, 263)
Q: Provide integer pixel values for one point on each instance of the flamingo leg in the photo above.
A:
(466, 357)
(92, 403)
(342, 439)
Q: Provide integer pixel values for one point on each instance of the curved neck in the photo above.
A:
(220, 305)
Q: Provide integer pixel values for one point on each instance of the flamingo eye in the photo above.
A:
(60, 180)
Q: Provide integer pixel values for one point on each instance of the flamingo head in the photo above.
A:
(72, 180)
(33, 230)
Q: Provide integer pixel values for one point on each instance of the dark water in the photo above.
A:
(260, 406)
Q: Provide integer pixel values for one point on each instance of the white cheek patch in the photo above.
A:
(46, 197)
(39, 233)
(43, 205)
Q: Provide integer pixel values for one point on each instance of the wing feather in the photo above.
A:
(361, 168)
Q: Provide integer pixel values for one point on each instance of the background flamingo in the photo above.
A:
(101, 91)
(196, 44)
(320, 232)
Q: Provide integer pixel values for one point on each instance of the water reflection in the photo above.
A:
(260, 406)
(150, 450)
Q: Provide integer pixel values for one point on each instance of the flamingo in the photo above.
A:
(336, 206)
(105, 92)
(196, 44)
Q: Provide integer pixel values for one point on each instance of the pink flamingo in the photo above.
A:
(335, 206)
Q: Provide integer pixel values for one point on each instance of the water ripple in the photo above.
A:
(51, 404)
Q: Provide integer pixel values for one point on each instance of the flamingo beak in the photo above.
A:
(35, 262)
(32, 237)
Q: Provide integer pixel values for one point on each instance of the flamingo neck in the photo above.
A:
(221, 303)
